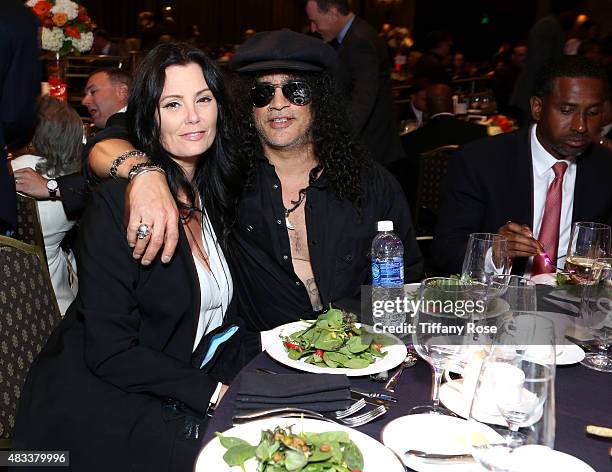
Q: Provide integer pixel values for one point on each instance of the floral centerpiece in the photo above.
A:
(66, 27)
(497, 124)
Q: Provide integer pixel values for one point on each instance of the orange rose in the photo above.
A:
(42, 8)
(72, 31)
(59, 19)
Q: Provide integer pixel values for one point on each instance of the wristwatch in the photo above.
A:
(52, 188)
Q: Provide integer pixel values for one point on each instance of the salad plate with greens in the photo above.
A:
(295, 445)
(334, 343)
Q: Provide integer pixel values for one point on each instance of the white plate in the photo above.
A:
(543, 458)
(376, 457)
(437, 434)
(272, 343)
(451, 396)
(571, 354)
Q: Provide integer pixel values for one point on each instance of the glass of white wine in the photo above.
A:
(588, 241)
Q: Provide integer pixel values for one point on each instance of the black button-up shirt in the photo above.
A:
(339, 238)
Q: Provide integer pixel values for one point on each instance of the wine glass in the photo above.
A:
(588, 241)
(441, 327)
(513, 403)
(596, 314)
(507, 297)
(486, 255)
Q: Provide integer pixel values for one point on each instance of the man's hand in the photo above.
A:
(520, 240)
(29, 182)
(148, 200)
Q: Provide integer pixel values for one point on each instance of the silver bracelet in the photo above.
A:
(119, 160)
(143, 167)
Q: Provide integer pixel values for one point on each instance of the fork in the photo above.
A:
(351, 410)
(352, 422)
(409, 361)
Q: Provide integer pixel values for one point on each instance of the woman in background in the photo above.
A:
(56, 150)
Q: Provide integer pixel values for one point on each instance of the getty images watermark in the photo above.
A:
(390, 316)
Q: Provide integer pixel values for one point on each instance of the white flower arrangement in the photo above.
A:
(66, 26)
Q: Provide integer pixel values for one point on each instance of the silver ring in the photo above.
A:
(143, 231)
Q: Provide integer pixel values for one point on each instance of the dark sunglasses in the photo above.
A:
(296, 91)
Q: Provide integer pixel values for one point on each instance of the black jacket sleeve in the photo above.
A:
(74, 191)
(462, 212)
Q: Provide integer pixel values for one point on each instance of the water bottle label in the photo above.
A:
(388, 272)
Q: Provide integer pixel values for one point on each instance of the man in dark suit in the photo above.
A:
(442, 129)
(435, 64)
(532, 184)
(544, 44)
(365, 61)
(106, 95)
(19, 87)
(103, 46)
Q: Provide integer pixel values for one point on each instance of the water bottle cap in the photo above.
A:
(385, 226)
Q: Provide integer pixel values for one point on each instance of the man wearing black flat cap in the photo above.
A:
(307, 220)
(307, 214)
(365, 60)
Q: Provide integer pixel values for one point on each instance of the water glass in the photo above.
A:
(596, 314)
(513, 406)
(441, 328)
(486, 255)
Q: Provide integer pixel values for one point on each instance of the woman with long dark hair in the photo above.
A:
(126, 380)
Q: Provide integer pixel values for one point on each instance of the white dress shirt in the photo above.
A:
(216, 289)
(543, 175)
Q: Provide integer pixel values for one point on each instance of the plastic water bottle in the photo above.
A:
(387, 275)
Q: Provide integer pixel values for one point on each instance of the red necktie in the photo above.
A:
(549, 231)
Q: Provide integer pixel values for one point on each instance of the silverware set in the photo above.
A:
(352, 421)
(362, 398)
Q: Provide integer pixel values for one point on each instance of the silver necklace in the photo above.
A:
(293, 208)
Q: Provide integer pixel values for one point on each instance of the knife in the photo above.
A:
(375, 395)
(369, 401)
(440, 457)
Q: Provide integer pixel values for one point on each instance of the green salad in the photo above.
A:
(333, 340)
(280, 450)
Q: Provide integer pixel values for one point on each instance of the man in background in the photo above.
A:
(545, 44)
(103, 46)
(106, 95)
(365, 61)
(443, 128)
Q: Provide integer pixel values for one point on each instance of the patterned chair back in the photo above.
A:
(29, 229)
(433, 169)
(28, 314)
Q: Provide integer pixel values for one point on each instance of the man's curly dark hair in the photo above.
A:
(335, 147)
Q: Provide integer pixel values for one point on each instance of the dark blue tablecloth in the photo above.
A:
(583, 396)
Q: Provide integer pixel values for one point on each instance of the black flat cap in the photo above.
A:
(283, 50)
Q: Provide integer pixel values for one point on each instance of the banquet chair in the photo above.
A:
(28, 314)
(432, 171)
(29, 229)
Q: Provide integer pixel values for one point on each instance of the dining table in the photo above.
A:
(582, 397)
